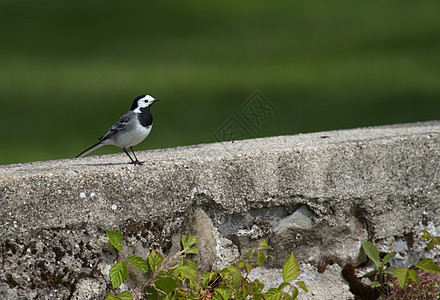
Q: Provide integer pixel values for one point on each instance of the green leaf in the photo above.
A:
(372, 252)
(166, 284)
(248, 268)
(263, 244)
(388, 258)
(207, 277)
(154, 294)
(225, 272)
(189, 241)
(109, 296)
(426, 235)
(260, 257)
(154, 260)
(286, 296)
(115, 238)
(414, 277)
(191, 296)
(191, 263)
(428, 265)
(283, 285)
(124, 296)
(401, 275)
(430, 245)
(257, 286)
(249, 253)
(138, 262)
(390, 270)
(375, 284)
(294, 292)
(240, 264)
(118, 273)
(188, 272)
(225, 293)
(302, 285)
(436, 240)
(192, 250)
(236, 278)
(257, 296)
(273, 294)
(290, 269)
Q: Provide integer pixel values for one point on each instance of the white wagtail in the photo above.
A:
(131, 129)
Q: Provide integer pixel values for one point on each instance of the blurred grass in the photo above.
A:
(69, 69)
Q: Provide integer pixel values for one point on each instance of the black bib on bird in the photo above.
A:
(145, 117)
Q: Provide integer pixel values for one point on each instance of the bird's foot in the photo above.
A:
(136, 162)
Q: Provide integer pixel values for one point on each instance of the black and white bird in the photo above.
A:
(131, 129)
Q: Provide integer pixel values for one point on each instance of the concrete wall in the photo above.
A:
(318, 195)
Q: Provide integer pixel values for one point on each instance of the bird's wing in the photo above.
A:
(118, 126)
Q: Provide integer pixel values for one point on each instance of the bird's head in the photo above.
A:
(142, 101)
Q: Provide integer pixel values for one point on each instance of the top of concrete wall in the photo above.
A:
(224, 150)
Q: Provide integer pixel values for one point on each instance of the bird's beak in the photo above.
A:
(155, 100)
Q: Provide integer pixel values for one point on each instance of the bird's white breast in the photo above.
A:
(132, 137)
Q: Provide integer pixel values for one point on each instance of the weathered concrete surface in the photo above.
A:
(318, 195)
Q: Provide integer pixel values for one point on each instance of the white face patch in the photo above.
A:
(144, 102)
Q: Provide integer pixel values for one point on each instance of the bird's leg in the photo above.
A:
(136, 161)
(132, 161)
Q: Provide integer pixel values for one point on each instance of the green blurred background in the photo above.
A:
(69, 69)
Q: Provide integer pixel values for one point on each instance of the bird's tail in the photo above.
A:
(88, 150)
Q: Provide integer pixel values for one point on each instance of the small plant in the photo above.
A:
(176, 277)
(164, 279)
(372, 253)
(230, 283)
(431, 241)
(419, 282)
